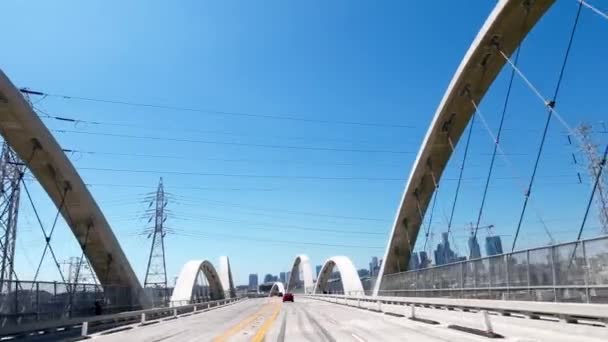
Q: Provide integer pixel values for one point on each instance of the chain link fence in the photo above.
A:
(28, 302)
(569, 272)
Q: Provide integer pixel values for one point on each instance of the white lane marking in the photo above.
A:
(357, 337)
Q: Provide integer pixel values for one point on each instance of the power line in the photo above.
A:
(82, 122)
(297, 212)
(223, 237)
(219, 174)
(304, 177)
(188, 217)
(113, 185)
(215, 112)
(76, 153)
(230, 143)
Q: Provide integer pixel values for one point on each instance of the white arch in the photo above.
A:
(507, 26)
(301, 263)
(226, 277)
(27, 135)
(277, 287)
(350, 278)
(184, 287)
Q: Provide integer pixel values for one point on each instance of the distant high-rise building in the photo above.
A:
(287, 277)
(363, 273)
(282, 277)
(414, 262)
(374, 267)
(253, 282)
(474, 248)
(318, 270)
(269, 278)
(444, 254)
(424, 260)
(493, 245)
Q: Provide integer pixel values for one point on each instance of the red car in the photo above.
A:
(288, 297)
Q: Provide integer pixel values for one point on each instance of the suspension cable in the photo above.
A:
(551, 111)
(594, 9)
(47, 238)
(497, 141)
(507, 161)
(428, 226)
(462, 165)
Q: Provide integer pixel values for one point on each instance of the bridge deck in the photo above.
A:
(313, 320)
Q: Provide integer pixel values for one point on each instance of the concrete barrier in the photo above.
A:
(565, 312)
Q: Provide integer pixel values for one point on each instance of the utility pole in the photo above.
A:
(11, 170)
(590, 150)
(156, 272)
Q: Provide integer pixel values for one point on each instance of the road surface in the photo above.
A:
(267, 319)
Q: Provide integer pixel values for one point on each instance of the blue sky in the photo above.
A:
(334, 63)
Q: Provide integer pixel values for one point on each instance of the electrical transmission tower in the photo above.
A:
(590, 150)
(156, 272)
(78, 271)
(11, 170)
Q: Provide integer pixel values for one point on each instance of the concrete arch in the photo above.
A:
(184, 287)
(277, 287)
(301, 263)
(350, 278)
(27, 135)
(226, 277)
(477, 71)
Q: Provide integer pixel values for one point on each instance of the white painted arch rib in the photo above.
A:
(226, 277)
(277, 287)
(301, 263)
(184, 287)
(507, 26)
(348, 273)
(23, 130)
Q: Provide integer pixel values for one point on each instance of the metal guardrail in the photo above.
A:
(570, 272)
(568, 312)
(87, 325)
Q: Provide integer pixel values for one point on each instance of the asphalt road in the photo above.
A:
(267, 319)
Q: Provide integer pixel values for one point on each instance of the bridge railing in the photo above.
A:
(27, 301)
(84, 326)
(568, 312)
(568, 272)
(39, 301)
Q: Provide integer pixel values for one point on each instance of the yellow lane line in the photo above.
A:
(241, 325)
(259, 336)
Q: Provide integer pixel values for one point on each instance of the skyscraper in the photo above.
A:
(414, 262)
(474, 248)
(269, 278)
(424, 260)
(444, 254)
(493, 245)
(318, 270)
(282, 277)
(374, 267)
(253, 282)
